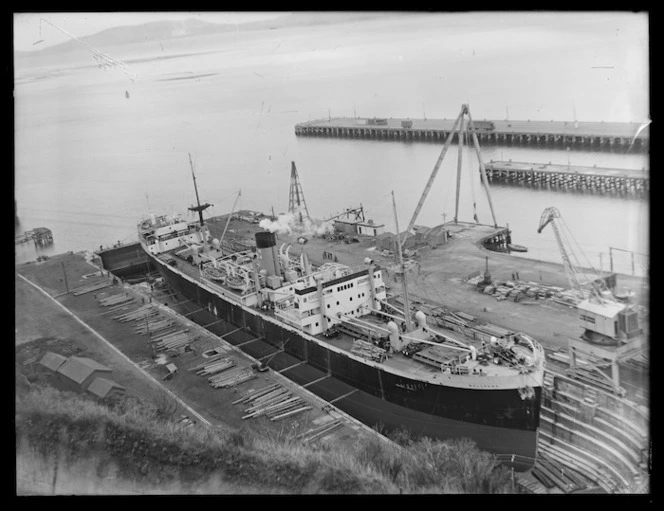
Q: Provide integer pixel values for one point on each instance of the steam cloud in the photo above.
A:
(288, 223)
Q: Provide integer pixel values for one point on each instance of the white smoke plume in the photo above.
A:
(289, 223)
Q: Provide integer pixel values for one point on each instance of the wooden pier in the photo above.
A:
(599, 135)
(570, 176)
(40, 235)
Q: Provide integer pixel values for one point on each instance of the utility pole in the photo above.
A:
(64, 272)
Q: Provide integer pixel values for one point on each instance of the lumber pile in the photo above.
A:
(115, 299)
(145, 311)
(173, 341)
(156, 325)
(274, 402)
(518, 290)
(367, 350)
(91, 287)
(232, 378)
(215, 367)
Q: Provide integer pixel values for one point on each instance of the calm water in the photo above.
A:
(91, 163)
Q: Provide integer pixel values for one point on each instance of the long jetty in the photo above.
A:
(570, 176)
(601, 135)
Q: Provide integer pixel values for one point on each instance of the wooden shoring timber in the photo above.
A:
(167, 336)
(91, 287)
(176, 336)
(283, 401)
(318, 428)
(270, 395)
(207, 362)
(141, 314)
(321, 433)
(117, 308)
(271, 399)
(141, 309)
(215, 368)
(233, 379)
(251, 396)
(155, 326)
(291, 413)
(115, 300)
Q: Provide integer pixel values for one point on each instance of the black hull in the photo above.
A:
(499, 421)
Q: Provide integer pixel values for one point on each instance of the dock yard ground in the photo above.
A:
(44, 325)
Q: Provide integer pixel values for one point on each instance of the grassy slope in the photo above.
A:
(151, 449)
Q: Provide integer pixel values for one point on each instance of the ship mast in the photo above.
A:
(199, 207)
(406, 302)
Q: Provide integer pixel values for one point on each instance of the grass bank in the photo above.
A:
(148, 449)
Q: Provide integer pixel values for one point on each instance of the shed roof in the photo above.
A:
(101, 387)
(80, 368)
(52, 360)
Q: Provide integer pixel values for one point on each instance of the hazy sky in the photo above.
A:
(27, 25)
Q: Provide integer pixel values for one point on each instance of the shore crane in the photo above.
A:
(612, 332)
(605, 320)
(571, 264)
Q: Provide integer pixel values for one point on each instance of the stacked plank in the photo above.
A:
(145, 311)
(215, 367)
(91, 287)
(367, 350)
(320, 431)
(116, 299)
(274, 402)
(232, 378)
(172, 341)
(156, 325)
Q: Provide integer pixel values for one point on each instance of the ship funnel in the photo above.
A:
(266, 243)
(420, 319)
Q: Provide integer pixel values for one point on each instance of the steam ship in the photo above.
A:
(408, 371)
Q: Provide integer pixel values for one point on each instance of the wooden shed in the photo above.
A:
(77, 373)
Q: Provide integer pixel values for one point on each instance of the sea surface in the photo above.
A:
(90, 162)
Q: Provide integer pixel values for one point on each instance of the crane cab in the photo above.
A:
(608, 322)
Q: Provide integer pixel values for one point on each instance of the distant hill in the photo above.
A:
(161, 30)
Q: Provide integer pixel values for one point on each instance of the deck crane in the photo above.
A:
(605, 320)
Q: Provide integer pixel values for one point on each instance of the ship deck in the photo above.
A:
(396, 361)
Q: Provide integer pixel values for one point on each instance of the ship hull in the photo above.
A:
(499, 421)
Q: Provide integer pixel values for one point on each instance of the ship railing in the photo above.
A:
(537, 348)
(288, 315)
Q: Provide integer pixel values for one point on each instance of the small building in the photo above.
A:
(52, 361)
(433, 236)
(77, 373)
(361, 227)
(104, 388)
